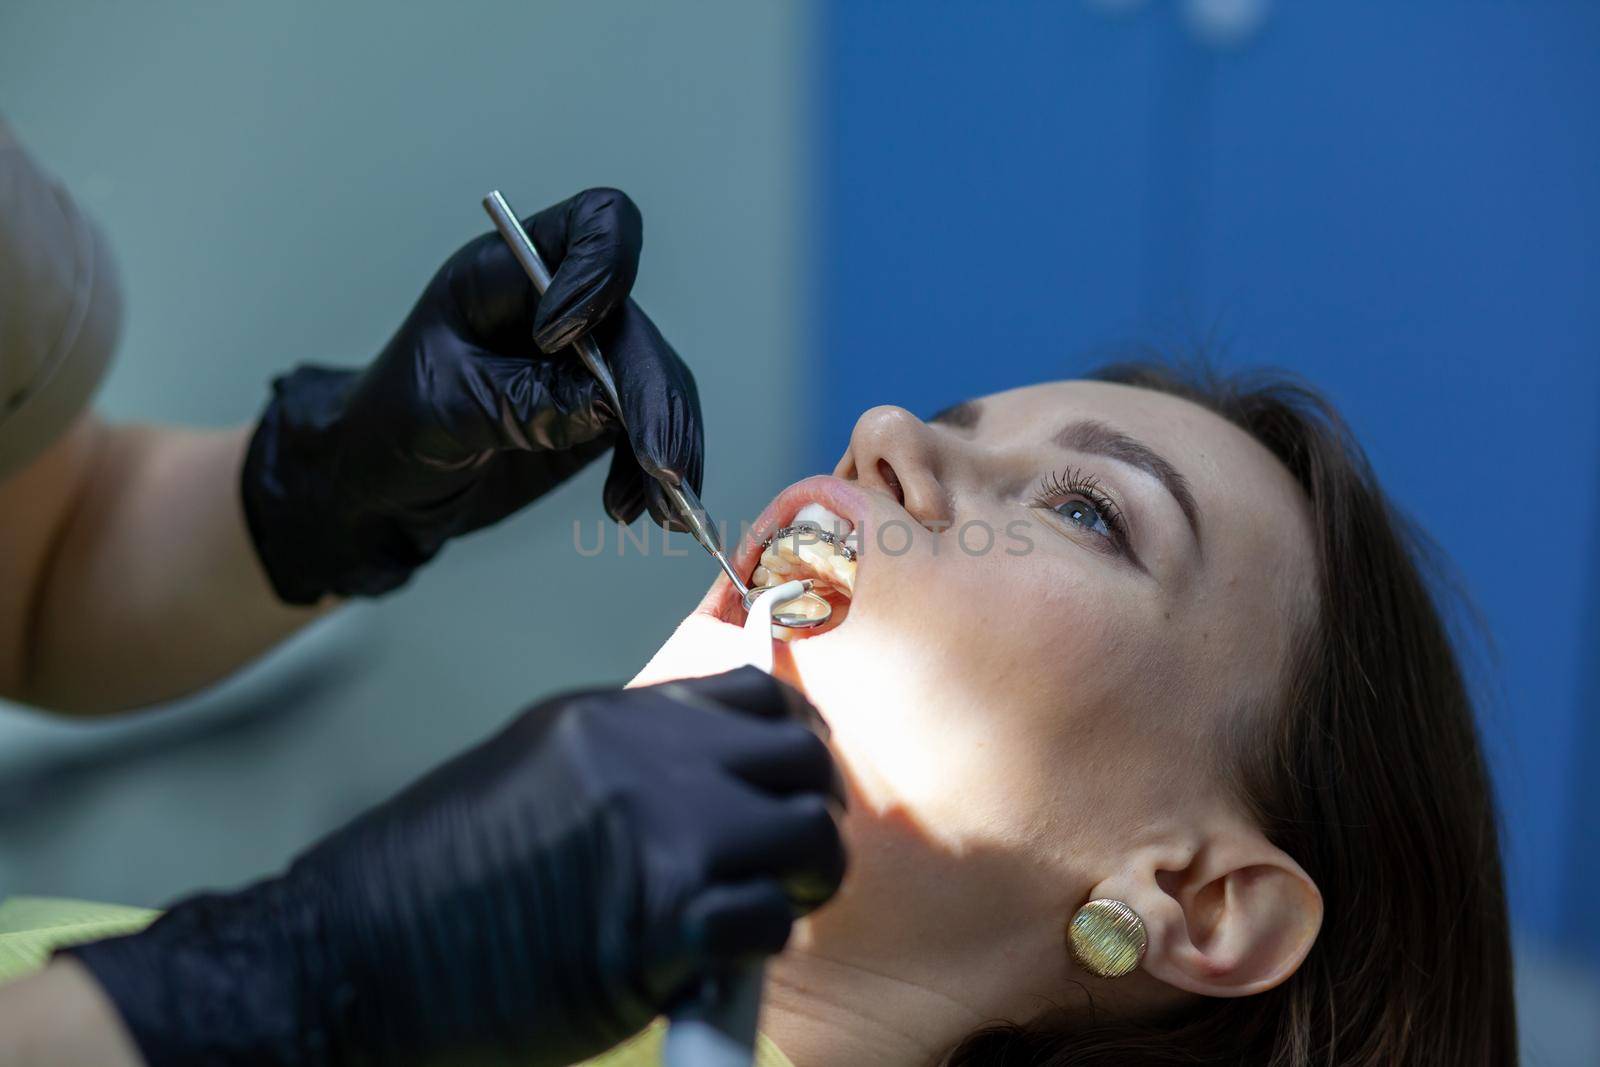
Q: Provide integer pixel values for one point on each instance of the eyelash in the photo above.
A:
(1059, 485)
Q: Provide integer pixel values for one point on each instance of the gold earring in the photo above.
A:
(1107, 938)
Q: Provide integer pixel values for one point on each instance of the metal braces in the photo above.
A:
(833, 541)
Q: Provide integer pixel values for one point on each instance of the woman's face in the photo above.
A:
(1064, 593)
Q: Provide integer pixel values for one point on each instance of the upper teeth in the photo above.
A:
(814, 542)
(823, 519)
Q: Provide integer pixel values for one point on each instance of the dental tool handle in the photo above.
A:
(695, 516)
(527, 255)
(717, 1028)
(698, 520)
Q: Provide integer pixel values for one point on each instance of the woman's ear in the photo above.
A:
(1237, 917)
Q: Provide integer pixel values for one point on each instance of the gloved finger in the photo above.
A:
(491, 293)
(629, 491)
(738, 923)
(792, 839)
(591, 243)
(791, 757)
(624, 495)
(659, 398)
(516, 479)
(755, 692)
(779, 756)
(745, 689)
(785, 754)
(798, 763)
(683, 438)
(662, 510)
(509, 403)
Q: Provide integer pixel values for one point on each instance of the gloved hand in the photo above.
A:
(476, 407)
(532, 902)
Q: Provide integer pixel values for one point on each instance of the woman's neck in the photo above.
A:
(822, 1011)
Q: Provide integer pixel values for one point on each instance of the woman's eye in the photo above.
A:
(1076, 498)
(1084, 514)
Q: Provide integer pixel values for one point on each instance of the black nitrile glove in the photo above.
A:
(532, 902)
(356, 478)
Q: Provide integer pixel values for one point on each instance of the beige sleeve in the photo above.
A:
(60, 308)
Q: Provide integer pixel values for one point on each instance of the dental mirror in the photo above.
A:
(804, 612)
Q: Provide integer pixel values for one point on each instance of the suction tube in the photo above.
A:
(718, 1027)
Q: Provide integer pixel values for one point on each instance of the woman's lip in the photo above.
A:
(846, 500)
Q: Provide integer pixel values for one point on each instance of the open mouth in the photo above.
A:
(815, 545)
(812, 530)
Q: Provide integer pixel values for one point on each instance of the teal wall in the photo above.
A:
(279, 181)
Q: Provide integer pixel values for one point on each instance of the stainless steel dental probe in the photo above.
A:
(683, 497)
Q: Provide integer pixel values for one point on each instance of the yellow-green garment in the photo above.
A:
(33, 927)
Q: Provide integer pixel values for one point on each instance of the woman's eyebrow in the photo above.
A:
(962, 416)
(1099, 439)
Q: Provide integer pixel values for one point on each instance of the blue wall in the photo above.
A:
(1401, 202)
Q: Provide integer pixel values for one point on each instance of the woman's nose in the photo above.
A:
(893, 450)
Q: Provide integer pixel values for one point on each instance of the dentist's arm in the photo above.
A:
(140, 563)
(60, 1017)
(127, 575)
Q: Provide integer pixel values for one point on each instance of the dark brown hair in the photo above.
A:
(1371, 777)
